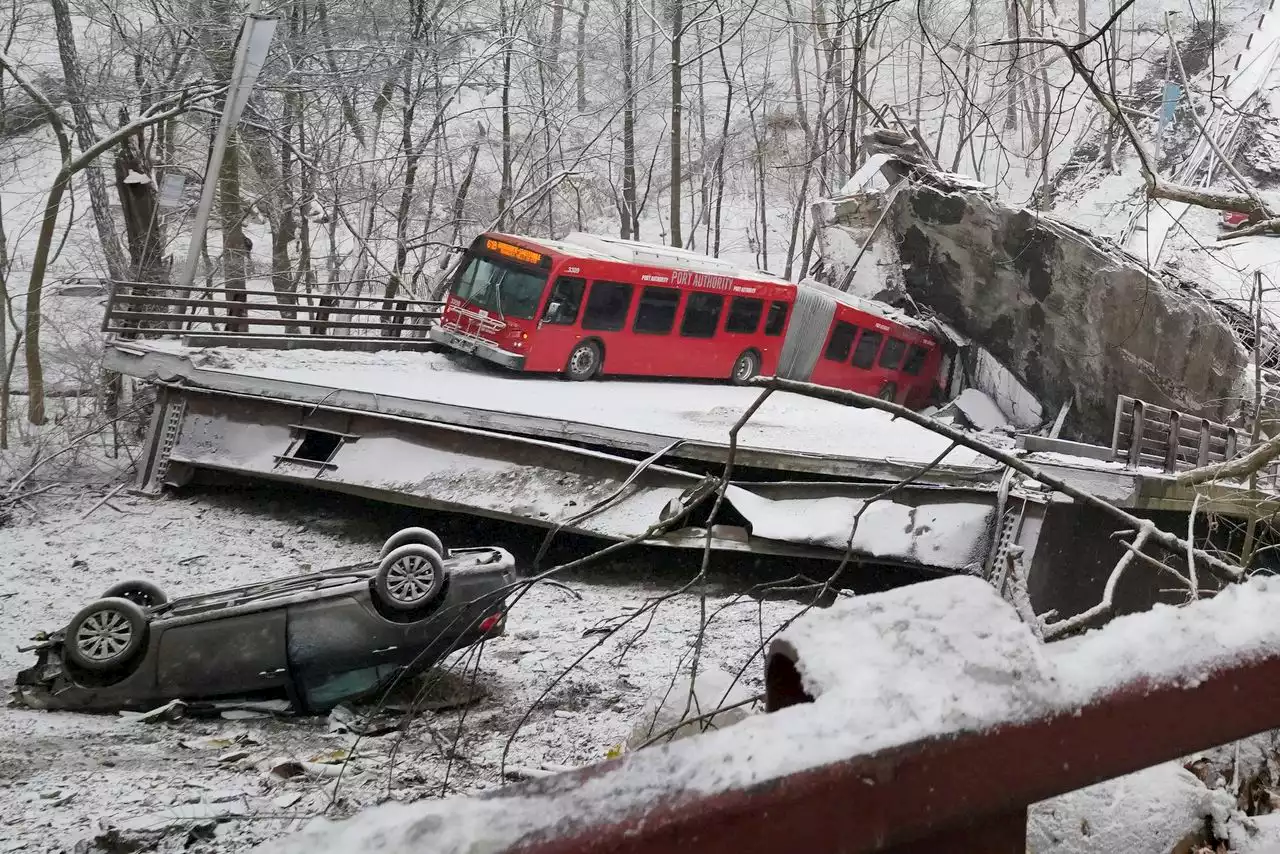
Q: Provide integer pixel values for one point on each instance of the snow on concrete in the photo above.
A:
(924, 661)
(1238, 624)
(61, 772)
(698, 411)
(951, 535)
(980, 410)
(1160, 809)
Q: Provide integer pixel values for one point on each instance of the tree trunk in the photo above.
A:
(724, 137)
(235, 248)
(78, 99)
(630, 226)
(677, 119)
(1011, 75)
(504, 191)
(6, 364)
(553, 41)
(39, 265)
(144, 229)
(581, 55)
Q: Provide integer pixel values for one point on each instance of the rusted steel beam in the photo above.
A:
(952, 794)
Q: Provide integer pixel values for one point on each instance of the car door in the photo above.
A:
(237, 654)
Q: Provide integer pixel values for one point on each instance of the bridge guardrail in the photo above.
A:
(231, 315)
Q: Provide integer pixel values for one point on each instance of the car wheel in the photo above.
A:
(746, 368)
(888, 392)
(139, 591)
(105, 635)
(584, 362)
(405, 536)
(409, 578)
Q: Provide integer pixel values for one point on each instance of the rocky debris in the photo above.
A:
(1071, 316)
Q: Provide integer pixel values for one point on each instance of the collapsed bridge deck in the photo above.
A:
(607, 459)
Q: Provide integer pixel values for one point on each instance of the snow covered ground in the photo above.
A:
(66, 777)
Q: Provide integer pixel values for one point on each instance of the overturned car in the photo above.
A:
(314, 639)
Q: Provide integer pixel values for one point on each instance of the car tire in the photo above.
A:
(410, 578)
(889, 392)
(746, 368)
(584, 362)
(139, 591)
(405, 536)
(105, 635)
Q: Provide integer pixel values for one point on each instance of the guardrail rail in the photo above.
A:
(225, 315)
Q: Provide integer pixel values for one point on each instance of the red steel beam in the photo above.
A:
(961, 794)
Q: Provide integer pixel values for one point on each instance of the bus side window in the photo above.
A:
(777, 318)
(701, 315)
(656, 313)
(565, 301)
(894, 348)
(841, 341)
(744, 315)
(864, 355)
(915, 360)
(607, 306)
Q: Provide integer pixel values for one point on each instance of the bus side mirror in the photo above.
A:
(553, 311)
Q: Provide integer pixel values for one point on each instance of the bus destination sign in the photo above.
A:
(512, 251)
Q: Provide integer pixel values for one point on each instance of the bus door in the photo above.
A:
(558, 325)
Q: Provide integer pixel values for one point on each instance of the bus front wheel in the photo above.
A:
(584, 362)
(888, 392)
(746, 368)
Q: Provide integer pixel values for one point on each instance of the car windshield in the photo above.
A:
(506, 289)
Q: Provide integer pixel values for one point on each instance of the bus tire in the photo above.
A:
(584, 361)
(746, 367)
(889, 392)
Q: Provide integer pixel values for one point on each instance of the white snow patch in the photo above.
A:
(980, 410)
(925, 661)
(949, 535)
(1155, 810)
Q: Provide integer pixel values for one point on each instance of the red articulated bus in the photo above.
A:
(588, 305)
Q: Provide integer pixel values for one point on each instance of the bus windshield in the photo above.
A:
(503, 288)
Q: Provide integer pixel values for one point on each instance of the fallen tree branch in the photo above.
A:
(1233, 469)
(1103, 608)
(1225, 571)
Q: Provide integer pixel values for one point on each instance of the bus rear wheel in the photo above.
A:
(746, 368)
(888, 392)
(584, 362)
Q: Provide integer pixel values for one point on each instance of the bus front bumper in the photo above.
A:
(476, 347)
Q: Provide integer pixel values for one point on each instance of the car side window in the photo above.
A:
(841, 341)
(701, 315)
(864, 355)
(607, 306)
(777, 318)
(565, 301)
(892, 354)
(656, 313)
